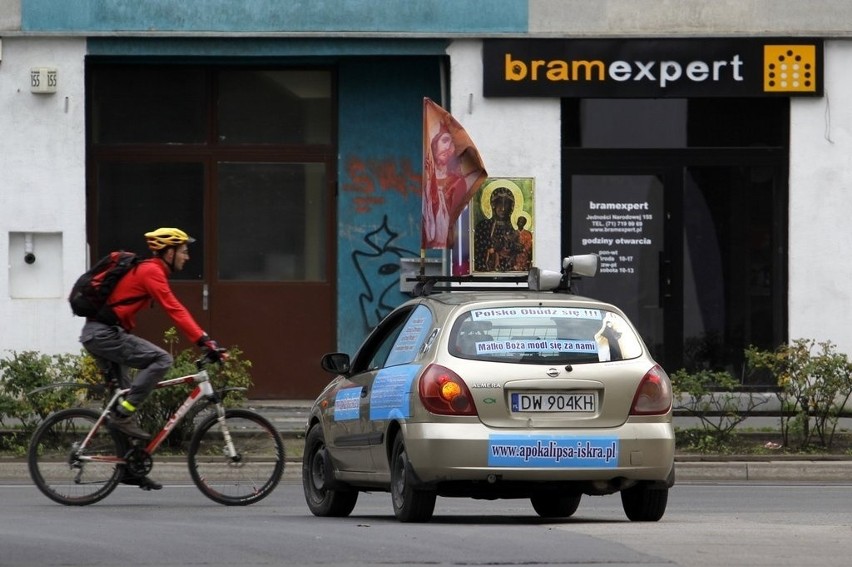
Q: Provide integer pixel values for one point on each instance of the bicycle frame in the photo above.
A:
(202, 390)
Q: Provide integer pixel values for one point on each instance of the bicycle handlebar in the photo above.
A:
(208, 357)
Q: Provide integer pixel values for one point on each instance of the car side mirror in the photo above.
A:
(335, 362)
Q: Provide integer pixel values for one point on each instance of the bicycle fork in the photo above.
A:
(230, 449)
(205, 389)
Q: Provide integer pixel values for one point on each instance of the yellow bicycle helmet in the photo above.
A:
(165, 237)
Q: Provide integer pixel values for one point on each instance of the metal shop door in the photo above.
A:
(242, 159)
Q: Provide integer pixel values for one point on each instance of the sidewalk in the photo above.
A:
(289, 417)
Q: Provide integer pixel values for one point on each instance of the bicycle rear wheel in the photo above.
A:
(248, 477)
(61, 471)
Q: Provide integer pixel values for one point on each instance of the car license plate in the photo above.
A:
(585, 402)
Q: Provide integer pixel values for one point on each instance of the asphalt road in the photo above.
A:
(718, 524)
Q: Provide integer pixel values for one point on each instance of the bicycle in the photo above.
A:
(235, 456)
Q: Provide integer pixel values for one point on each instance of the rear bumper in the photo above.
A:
(443, 452)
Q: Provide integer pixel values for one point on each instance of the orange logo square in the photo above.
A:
(789, 68)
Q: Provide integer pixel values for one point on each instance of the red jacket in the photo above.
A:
(147, 281)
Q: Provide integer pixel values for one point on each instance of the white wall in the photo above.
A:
(42, 192)
(820, 262)
(516, 137)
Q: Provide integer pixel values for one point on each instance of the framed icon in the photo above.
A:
(503, 225)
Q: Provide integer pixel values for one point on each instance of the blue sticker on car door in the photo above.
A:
(391, 394)
(347, 404)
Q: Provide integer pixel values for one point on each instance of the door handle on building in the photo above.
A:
(205, 295)
(665, 274)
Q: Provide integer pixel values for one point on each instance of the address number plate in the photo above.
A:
(585, 402)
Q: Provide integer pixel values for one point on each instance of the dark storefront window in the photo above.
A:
(675, 123)
(137, 197)
(701, 269)
(149, 105)
(243, 158)
(259, 196)
(237, 156)
(274, 107)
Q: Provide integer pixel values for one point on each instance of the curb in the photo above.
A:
(175, 471)
(764, 471)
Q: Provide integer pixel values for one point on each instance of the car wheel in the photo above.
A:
(550, 505)
(642, 503)
(317, 474)
(409, 505)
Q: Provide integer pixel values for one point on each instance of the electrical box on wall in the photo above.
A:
(43, 80)
(35, 265)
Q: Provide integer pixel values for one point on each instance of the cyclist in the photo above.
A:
(116, 350)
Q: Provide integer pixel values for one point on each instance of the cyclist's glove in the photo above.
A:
(212, 350)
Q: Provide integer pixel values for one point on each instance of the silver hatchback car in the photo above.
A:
(494, 394)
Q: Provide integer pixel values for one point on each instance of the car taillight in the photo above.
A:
(443, 392)
(654, 394)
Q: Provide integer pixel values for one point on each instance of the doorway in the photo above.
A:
(692, 243)
(243, 160)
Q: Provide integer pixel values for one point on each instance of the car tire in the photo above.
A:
(643, 503)
(550, 505)
(317, 474)
(409, 504)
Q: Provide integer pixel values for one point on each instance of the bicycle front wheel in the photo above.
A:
(63, 471)
(247, 477)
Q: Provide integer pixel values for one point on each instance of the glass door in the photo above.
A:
(686, 202)
(622, 218)
(693, 255)
(733, 271)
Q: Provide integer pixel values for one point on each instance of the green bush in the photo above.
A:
(22, 409)
(25, 396)
(712, 397)
(815, 383)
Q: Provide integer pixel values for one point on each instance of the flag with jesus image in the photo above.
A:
(452, 173)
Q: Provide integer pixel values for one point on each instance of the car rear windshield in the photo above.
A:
(549, 335)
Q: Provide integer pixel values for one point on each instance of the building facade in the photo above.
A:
(287, 138)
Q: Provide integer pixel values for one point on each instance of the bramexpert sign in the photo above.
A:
(653, 68)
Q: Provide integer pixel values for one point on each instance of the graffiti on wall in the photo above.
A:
(369, 179)
(376, 259)
(378, 268)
